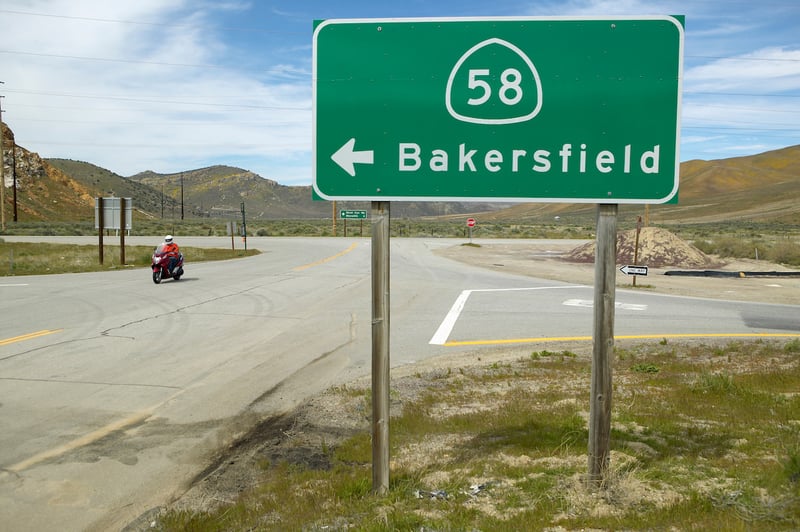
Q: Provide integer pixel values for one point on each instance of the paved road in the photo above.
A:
(116, 391)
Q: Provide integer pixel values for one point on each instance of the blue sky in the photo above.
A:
(172, 85)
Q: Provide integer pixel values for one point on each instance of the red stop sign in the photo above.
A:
(470, 222)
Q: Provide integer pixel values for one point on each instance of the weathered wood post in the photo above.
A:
(380, 346)
(100, 226)
(122, 220)
(603, 342)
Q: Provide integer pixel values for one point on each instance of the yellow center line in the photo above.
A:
(621, 337)
(29, 336)
(327, 259)
(132, 420)
(78, 442)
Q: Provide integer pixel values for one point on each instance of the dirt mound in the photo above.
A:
(658, 248)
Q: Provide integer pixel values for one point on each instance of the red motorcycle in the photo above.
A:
(160, 265)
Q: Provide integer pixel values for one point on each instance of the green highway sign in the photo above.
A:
(352, 214)
(570, 110)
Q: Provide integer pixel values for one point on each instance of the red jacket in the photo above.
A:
(171, 248)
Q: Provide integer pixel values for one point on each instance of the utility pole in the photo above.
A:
(181, 195)
(244, 228)
(2, 177)
(14, 175)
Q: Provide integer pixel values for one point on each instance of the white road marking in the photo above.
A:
(446, 327)
(588, 303)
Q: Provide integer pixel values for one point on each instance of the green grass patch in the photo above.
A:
(400, 227)
(24, 258)
(778, 248)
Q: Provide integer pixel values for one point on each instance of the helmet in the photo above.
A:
(168, 238)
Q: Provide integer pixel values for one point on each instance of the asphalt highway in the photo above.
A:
(117, 392)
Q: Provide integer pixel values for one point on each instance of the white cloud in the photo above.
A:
(602, 8)
(769, 69)
(145, 85)
(168, 85)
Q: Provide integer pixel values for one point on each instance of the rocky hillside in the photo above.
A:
(43, 192)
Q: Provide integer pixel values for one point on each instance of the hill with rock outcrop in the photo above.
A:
(42, 191)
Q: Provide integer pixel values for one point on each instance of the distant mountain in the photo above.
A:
(102, 182)
(763, 187)
(220, 190)
(759, 188)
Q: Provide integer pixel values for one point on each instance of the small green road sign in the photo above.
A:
(535, 109)
(346, 214)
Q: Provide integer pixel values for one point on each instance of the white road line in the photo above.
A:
(446, 327)
(588, 303)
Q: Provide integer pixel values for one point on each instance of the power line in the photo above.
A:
(109, 60)
(182, 123)
(745, 109)
(161, 101)
(281, 72)
(144, 23)
(760, 132)
(731, 124)
(129, 145)
(741, 94)
(207, 65)
(734, 58)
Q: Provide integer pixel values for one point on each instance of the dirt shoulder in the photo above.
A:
(546, 261)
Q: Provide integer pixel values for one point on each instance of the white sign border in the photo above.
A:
(669, 18)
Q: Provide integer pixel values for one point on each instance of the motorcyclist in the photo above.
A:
(172, 250)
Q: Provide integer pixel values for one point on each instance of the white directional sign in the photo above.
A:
(634, 270)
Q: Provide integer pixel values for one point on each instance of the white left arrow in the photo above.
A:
(634, 270)
(347, 157)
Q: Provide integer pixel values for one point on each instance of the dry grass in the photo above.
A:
(20, 258)
(703, 437)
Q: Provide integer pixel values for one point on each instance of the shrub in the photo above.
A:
(784, 252)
